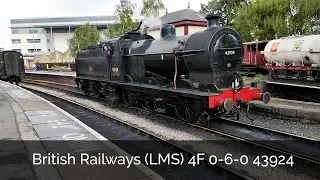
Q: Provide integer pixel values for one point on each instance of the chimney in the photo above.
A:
(189, 4)
(213, 21)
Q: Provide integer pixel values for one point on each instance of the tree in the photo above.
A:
(151, 7)
(226, 8)
(124, 11)
(84, 36)
(260, 19)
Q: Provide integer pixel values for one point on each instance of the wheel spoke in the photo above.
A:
(178, 107)
(187, 114)
(190, 107)
(185, 110)
(155, 105)
(129, 97)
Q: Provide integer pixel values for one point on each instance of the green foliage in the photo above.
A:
(151, 7)
(226, 8)
(84, 36)
(271, 19)
(124, 11)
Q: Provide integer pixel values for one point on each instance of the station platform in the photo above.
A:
(31, 127)
(59, 73)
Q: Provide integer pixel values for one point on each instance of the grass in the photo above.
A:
(256, 78)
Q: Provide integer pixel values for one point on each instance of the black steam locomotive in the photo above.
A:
(11, 66)
(195, 75)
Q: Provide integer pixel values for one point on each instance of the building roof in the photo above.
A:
(63, 26)
(63, 22)
(256, 42)
(63, 19)
(182, 15)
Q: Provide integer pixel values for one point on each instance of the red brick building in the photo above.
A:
(186, 21)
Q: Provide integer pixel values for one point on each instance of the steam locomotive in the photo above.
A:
(196, 76)
(11, 66)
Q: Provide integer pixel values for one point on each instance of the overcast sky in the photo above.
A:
(14, 9)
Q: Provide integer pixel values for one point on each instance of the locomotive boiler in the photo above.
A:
(195, 75)
(207, 57)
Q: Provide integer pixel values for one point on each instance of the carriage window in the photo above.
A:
(253, 48)
(261, 46)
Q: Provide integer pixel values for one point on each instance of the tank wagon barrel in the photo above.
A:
(294, 57)
(295, 51)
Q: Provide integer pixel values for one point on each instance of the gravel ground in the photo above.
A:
(311, 131)
(201, 141)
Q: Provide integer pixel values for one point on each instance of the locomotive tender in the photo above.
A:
(195, 75)
(11, 66)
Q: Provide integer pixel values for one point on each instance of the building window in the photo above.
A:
(15, 31)
(32, 31)
(48, 40)
(16, 41)
(33, 40)
(18, 50)
(34, 50)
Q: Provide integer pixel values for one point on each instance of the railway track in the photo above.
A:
(280, 142)
(126, 137)
(294, 90)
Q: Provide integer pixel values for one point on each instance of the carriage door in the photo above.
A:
(2, 68)
(253, 54)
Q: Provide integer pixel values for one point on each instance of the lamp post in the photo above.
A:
(4, 43)
(69, 43)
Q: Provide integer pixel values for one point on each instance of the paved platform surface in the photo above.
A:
(30, 125)
(72, 73)
(289, 110)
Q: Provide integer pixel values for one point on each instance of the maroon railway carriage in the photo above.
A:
(253, 60)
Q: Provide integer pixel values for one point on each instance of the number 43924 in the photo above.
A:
(273, 161)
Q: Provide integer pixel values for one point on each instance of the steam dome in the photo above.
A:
(168, 30)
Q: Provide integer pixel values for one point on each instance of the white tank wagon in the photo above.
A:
(293, 51)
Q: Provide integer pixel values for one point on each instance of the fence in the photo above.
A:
(48, 66)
